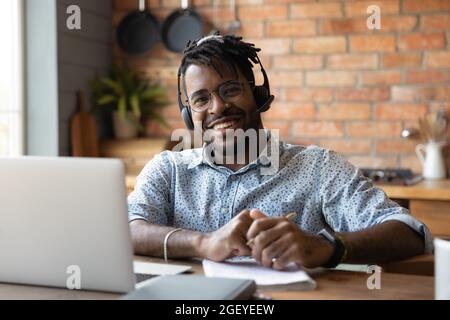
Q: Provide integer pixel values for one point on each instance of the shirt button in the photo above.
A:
(265, 161)
(224, 210)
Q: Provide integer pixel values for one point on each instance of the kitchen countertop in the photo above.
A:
(424, 190)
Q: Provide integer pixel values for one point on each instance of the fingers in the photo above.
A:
(273, 251)
(287, 257)
(270, 243)
(263, 233)
(277, 237)
(260, 225)
(236, 239)
(241, 248)
(241, 223)
(264, 240)
(244, 217)
(257, 214)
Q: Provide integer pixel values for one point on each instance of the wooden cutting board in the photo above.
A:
(83, 131)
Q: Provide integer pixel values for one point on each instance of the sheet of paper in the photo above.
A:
(353, 267)
(249, 269)
(158, 269)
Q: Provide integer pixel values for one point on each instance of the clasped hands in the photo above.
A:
(277, 242)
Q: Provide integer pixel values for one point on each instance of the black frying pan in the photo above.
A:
(138, 31)
(181, 26)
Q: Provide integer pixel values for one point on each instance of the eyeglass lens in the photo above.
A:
(229, 91)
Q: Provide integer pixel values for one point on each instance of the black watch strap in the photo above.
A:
(339, 252)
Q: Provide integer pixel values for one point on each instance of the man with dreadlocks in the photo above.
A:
(189, 204)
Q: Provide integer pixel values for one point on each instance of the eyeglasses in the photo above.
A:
(230, 91)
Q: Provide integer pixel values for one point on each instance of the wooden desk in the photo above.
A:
(420, 265)
(338, 285)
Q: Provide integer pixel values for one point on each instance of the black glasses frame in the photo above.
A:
(208, 104)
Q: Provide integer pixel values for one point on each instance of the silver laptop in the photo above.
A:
(63, 223)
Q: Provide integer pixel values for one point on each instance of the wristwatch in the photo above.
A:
(340, 251)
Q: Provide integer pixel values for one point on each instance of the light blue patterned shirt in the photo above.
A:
(186, 190)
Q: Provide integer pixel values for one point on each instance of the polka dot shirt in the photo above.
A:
(185, 190)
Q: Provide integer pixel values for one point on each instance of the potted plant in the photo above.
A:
(131, 98)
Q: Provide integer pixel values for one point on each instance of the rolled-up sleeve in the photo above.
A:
(350, 202)
(150, 200)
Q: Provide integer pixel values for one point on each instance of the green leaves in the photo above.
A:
(106, 99)
(122, 107)
(135, 105)
(152, 93)
(124, 90)
(114, 85)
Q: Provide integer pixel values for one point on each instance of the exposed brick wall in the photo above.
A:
(337, 84)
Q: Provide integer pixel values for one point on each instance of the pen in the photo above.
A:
(290, 216)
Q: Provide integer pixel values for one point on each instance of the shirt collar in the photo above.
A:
(263, 159)
(198, 159)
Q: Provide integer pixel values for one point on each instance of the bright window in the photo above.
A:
(11, 79)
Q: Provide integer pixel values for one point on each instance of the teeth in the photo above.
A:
(224, 125)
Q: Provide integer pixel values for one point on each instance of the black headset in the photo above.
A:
(262, 95)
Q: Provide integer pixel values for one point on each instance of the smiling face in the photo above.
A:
(222, 116)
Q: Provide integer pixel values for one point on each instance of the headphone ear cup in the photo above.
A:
(187, 118)
(261, 95)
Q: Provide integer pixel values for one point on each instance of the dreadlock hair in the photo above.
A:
(227, 50)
